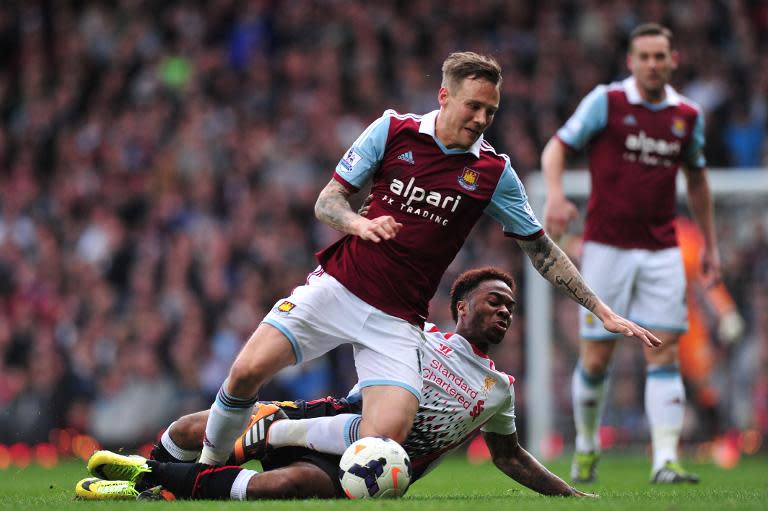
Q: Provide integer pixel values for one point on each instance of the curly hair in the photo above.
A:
(470, 279)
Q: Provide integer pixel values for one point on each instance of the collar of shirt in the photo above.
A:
(671, 97)
(427, 127)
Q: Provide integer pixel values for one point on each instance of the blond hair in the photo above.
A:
(468, 64)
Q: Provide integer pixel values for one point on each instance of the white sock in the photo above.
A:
(588, 394)
(239, 489)
(228, 418)
(176, 451)
(330, 435)
(665, 407)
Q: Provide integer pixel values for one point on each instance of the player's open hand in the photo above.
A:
(558, 213)
(377, 229)
(618, 325)
(578, 493)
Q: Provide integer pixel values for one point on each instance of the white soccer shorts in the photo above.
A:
(323, 314)
(646, 286)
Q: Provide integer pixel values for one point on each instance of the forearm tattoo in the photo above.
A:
(333, 208)
(554, 265)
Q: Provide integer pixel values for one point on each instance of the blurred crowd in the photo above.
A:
(159, 163)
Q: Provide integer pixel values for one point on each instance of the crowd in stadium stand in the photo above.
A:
(159, 163)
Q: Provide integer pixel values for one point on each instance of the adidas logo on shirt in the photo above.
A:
(407, 157)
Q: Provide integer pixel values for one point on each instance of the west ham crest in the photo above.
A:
(678, 127)
(468, 179)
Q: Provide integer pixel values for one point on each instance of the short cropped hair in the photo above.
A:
(470, 279)
(650, 29)
(467, 64)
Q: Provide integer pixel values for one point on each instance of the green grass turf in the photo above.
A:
(454, 485)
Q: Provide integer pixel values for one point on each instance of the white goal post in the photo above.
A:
(750, 183)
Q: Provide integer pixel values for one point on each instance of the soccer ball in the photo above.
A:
(375, 467)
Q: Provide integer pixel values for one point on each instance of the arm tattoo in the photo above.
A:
(333, 208)
(554, 265)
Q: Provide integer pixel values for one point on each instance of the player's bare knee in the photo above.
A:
(180, 430)
(665, 355)
(397, 431)
(244, 379)
(595, 357)
(187, 432)
(594, 366)
(400, 434)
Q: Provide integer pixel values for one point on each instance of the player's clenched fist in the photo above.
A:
(377, 229)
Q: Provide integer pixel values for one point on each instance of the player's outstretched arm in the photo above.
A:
(510, 457)
(552, 263)
(333, 208)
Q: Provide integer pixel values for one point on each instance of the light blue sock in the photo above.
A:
(330, 435)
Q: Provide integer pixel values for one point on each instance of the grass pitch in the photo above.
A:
(455, 485)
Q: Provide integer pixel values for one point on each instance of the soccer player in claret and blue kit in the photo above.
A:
(639, 132)
(432, 177)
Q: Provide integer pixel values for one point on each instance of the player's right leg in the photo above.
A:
(266, 352)
(316, 318)
(610, 272)
(588, 393)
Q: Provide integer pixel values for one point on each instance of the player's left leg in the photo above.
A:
(268, 432)
(126, 476)
(388, 411)
(201, 482)
(665, 408)
(299, 480)
(659, 305)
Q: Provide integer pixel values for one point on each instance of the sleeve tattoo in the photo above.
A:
(333, 208)
(552, 263)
